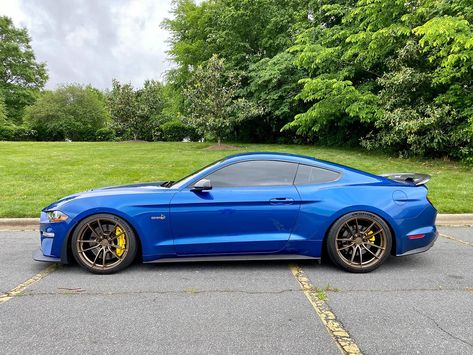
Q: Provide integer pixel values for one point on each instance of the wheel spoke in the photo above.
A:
(87, 241)
(376, 246)
(113, 253)
(356, 226)
(93, 230)
(345, 247)
(91, 248)
(104, 257)
(361, 256)
(353, 255)
(349, 229)
(101, 228)
(369, 228)
(97, 256)
(376, 233)
(364, 246)
(117, 235)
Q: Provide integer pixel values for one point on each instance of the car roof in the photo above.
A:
(297, 158)
(283, 156)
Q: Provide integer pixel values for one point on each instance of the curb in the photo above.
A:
(19, 224)
(32, 224)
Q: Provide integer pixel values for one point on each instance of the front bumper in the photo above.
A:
(39, 256)
(52, 237)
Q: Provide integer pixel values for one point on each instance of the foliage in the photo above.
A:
(21, 76)
(174, 131)
(136, 110)
(273, 86)
(400, 71)
(105, 134)
(251, 36)
(3, 112)
(213, 105)
(70, 112)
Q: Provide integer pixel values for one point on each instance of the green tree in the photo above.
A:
(136, 111)
(396, 74)
(70, 112)
(251, 36)
(213, 105)
(3, 112)
(21, 76)
(123, 109)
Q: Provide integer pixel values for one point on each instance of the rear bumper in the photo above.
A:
(39, 256)
(423, 248)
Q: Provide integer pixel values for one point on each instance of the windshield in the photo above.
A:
(186, 179)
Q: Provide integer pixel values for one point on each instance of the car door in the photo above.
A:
(252, 207)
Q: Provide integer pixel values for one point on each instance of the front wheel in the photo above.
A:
(359, 242)
(103, 244)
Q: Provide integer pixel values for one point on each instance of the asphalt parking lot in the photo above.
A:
(419, 304)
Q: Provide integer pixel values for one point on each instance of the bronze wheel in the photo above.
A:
(103, 244)
(359, 242)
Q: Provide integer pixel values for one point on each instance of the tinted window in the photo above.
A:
(254, 173)
(307, 175)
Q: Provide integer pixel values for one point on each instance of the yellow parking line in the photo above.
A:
(335, 328)
(457, 240)
(21, 287)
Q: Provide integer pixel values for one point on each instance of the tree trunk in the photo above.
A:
(219, 140)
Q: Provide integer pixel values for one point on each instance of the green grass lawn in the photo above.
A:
(33, 174)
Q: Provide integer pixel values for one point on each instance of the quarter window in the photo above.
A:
(308, 175)
(254, 173)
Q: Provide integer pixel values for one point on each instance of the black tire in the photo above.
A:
(359, 242)
(103, 244)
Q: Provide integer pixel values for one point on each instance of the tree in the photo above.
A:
(243, 33)
(21, 76)
(123, 108)
(396, 75)
(213, 105)
(70, 112)
(273, 84)
(136, 111)
(3, 112)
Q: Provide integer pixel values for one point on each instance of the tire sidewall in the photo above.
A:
(332, 247)
(132, 244)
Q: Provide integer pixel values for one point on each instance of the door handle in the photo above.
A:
(281, 201)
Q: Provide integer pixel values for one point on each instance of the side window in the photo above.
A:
(307, 175)
(254, 173)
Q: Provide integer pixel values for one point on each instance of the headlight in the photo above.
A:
(56, 216)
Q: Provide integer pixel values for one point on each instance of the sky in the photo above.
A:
(95, 41)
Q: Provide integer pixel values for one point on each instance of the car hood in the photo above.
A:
(110, 190)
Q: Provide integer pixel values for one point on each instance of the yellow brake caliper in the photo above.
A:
(372, 239)
(121, 241)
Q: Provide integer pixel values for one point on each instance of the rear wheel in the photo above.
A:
(359, 242)
(103, 244)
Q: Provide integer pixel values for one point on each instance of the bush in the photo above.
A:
(16, 133)
(6, 133)
(70, 112)
(105, 134)
(174, 131)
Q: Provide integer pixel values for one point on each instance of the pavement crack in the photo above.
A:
(425, 315)
(187, 291)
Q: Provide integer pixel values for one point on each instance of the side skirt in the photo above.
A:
(232, 258)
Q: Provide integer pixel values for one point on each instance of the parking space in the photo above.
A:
(416, 304)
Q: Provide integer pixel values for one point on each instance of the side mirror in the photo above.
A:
(202, 185)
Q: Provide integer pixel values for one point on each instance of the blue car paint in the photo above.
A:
(244, 220)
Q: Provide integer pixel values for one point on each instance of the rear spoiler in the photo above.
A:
(413, 178)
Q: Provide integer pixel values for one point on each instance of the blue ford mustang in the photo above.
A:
(246, 206)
